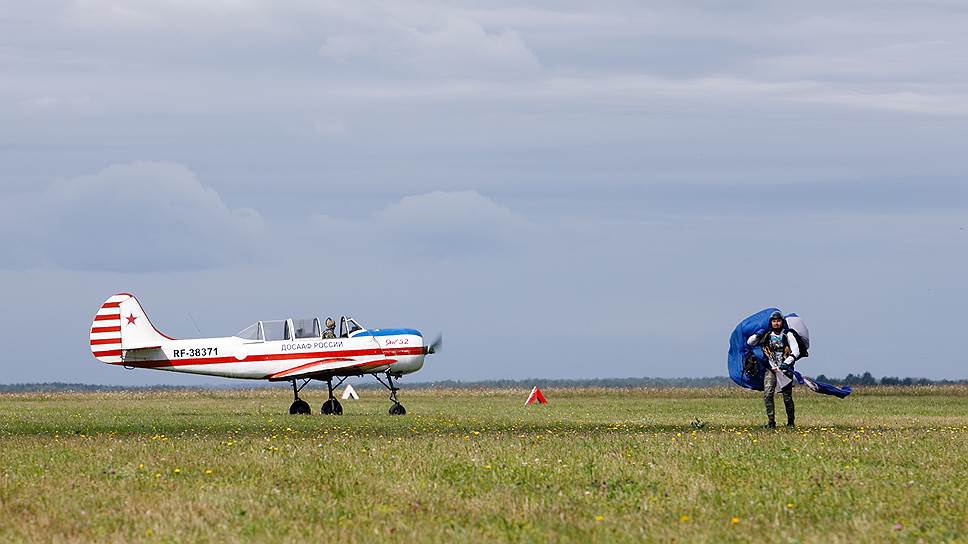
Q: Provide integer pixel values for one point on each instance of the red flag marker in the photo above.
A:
(535, 396)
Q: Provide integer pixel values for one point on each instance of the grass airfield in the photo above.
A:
(593, 465)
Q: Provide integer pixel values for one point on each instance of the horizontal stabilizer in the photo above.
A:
(131, 356)
(140, 348)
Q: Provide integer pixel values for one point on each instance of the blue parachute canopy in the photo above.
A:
(738, 350)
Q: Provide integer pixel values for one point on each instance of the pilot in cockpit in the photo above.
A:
(330, 331)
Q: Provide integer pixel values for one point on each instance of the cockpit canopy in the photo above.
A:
(252, 332)
(295, 329)
(306, 328)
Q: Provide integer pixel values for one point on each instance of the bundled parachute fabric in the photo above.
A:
(820, 387)
(747, 365)
(739, 351)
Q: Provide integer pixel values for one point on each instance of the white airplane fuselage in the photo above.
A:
(121, 334)
(232, 357)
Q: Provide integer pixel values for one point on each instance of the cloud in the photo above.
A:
(453, 222)
(440, 223)
(48, 102)
(139, 216)
(401, 38)
(187, 17)
(450, 46)
(918, 62)
(622, 155)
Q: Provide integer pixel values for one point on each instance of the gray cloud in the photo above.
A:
(485, 97)
(453, 222)
(136, 216)
(578, 184)
(452, 46)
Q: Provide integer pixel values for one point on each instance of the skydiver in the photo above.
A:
(330, 331)
(781, 349)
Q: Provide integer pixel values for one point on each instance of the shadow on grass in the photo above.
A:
(385, 427)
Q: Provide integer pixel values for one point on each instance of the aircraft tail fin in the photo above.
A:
(121, 324)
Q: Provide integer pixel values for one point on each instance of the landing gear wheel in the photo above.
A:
(299, 406)
(332, 407)
(398, 410)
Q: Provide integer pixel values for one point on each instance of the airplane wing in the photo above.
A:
(329, 366)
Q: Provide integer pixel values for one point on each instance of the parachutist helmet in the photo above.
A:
(778, 315)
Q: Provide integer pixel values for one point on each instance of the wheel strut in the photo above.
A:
(296, 390)
(396, 408)
(332, 406)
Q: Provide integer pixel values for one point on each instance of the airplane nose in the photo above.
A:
(435, 346)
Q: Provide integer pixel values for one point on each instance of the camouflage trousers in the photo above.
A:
(769, 388)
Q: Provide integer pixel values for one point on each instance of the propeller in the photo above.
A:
(435, 346)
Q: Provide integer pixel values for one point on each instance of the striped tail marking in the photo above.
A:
(106, 330)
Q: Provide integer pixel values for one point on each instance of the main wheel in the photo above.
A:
(397, 410)
(299, 406)
(332, 407)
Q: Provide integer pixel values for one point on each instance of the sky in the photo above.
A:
(563, 189)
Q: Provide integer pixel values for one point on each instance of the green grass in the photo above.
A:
(593, 465)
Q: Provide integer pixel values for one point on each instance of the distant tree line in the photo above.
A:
(589, 382)
(62, 387)
(371, 384)
(865, 379)
(868, 379)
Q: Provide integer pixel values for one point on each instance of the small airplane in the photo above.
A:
(293, 350)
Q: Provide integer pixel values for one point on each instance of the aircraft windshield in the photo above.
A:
(252, 332)
(306, 328)
(348, 327)
(276, 330)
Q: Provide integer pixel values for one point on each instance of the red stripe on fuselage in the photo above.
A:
(105, 329)
(403, 351)
(270, 357)
(364, 365)
(308, 365)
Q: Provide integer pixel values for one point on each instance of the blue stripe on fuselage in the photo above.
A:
(387, 332)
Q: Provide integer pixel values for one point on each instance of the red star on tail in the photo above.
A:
(131, 318)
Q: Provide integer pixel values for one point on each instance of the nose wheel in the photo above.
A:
(396, 409)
